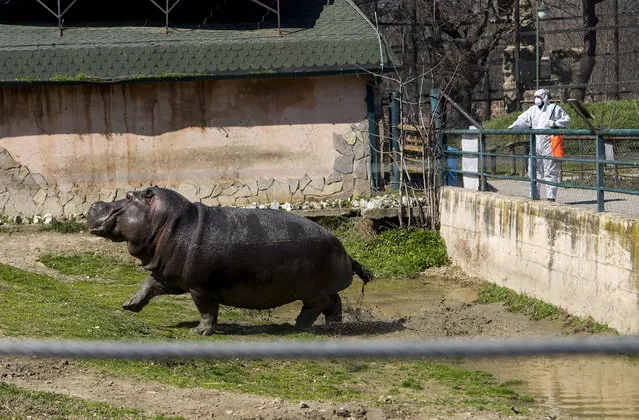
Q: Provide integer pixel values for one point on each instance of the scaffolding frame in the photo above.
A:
(166, 10)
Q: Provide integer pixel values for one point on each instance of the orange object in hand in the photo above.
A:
(557, 142)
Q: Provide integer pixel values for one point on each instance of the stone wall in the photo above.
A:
(57, 160)
(581, 261)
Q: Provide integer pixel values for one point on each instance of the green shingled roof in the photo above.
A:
(339, 40)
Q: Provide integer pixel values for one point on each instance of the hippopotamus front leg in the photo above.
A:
(149, 289)
(209, 309)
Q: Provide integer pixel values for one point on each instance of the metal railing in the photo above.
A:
(292, 349)
(604, 157)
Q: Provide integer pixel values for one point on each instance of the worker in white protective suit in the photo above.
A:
(544, 115)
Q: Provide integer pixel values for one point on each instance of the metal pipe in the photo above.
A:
(534, 194)
(537, 47)
(601, 156)
(395, 121)
(517, 53)
(373, 136)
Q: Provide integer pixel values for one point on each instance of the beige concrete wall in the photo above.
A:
(227, 142)
(582, 261)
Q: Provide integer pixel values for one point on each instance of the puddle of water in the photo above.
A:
(576, 386)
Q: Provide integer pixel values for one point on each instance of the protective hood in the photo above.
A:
(544, 95)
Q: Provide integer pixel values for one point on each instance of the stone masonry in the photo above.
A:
(27, 194)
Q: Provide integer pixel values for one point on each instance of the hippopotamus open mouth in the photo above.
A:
(247, 258)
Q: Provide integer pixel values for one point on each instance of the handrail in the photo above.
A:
(606, 141)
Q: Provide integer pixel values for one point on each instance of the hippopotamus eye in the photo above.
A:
(129, 196)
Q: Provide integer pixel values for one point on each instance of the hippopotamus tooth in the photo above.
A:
(246, 258)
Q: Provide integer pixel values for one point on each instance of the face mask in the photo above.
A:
(538, 102)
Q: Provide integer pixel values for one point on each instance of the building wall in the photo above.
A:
(581, 261)
(229, 142)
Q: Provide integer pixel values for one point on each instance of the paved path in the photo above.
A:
(626, 204)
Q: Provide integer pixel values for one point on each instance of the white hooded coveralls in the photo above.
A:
(544, 117)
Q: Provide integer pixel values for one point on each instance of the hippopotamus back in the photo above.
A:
(252, 258)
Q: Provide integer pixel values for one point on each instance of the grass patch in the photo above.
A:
(392, 253)
(91, 265)
(537, 309)
(515, 302)
(20, 403)
(40, 306)
(65, 227)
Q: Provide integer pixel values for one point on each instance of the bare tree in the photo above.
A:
(451, 40)
(586, 63)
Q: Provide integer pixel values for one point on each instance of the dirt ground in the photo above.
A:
(447, 310)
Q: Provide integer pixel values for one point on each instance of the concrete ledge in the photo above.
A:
(581, 261)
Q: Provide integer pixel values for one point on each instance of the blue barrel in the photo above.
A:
(452, 165)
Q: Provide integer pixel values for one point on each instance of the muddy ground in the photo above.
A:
(444, 309)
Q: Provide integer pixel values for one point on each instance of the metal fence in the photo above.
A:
(600, 170)
(359, 349)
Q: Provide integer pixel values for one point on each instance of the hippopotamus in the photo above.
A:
(245, 258)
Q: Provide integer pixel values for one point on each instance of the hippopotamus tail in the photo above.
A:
(364, 273)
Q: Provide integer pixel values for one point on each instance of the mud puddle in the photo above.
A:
(575, 386)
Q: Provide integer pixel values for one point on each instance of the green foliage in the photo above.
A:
(27, 79)
(608, 114)
(514, 302)
(66, 78)
(20, 403)
(392, 253)
(65, 227)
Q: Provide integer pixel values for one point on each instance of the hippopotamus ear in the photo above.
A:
(147, 194)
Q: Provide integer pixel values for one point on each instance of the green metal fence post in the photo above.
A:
(601, 155)
(482, 164)
(532, 164)
(436, 113)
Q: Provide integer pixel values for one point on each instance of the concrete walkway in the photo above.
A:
(626, 204)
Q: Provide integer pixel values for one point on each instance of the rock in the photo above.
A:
(360, 150)
(287, 206)
(253, 186)
(189, 190)
(334, 177)
(217, 191)
(361, 169)
(342, 412)
(341, 146)
(243, 192)
(6, 161)
(275, 205)
(280, 191)
(333, 188)
(293, 184)
(265, 184)
(343, 164)
(304, 181)
(304, 405)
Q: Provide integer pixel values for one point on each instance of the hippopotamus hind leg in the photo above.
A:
(310, 311)
(209, 309)
(149, 289)
(333, 312)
